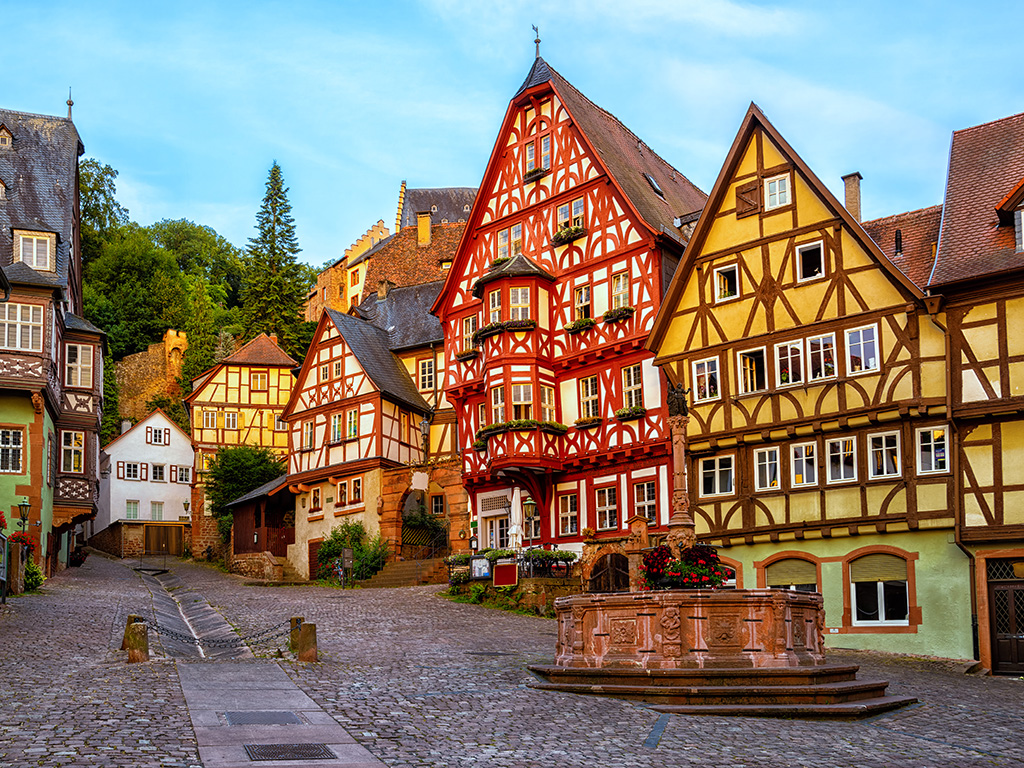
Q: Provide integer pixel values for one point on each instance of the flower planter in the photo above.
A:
(579, 326)
(536, 173)
(519, 325)
(467, 354)
(588, 423)
(493, 329)
(553, 428)
(567, 235)
(619, 314)
(501, 260)
(630, 414)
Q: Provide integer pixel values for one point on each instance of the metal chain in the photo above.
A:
(275, 631)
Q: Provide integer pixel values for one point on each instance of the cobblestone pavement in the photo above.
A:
(420, 681)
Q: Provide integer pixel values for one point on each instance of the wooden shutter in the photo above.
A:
(120, 470)
(167, 436)
(878, 567)
(174, 473)
(748, 199)
(149, 434)
(791, 571)
(144, 471)
(241, 420)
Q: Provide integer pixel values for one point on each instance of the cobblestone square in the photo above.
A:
(420, 681)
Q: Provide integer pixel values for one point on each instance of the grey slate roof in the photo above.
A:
(518, 266)
(264, 489)
(405, 315)
(370, 345)
(39, 173)
(451, 204)
(76, 323)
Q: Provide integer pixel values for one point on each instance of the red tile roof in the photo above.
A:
(260, 351)
(919, 231)
(986, 163)
(403, 261)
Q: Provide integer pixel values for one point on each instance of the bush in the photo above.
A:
(33, 576)
(477, 592)
(369, 553)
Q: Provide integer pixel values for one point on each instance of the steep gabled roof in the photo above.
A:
(754, 119)
(986, 165)
(450, 204)
(404, 315)
(403, 261)
(919, 233)
(142, 424)
(370, 346)
(76, 323)
(260, 351)
(518, 266)
(267, 489)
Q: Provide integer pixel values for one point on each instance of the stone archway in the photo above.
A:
(603, 566)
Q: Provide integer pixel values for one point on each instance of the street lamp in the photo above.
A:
(425, 432)
(23, 510)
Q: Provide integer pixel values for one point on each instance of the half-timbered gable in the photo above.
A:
(818, 420)
(551, 294)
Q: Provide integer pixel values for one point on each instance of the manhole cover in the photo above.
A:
(487, 653)
(289, 752)
(264, 717)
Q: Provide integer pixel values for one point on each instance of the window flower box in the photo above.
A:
(618, 314)
(497, 262)
(587, 422)
(579, 326)
(491, 329)
(521, 425)
(480, 445)
(536, 173)
(553, 427)
(520, 325)
(633, 412)
(467, 354)
(567, 235)
(491, 429)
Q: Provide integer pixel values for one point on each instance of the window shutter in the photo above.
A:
(167, 436)
(144, 471)
(748, 199)
(241, 419)
(878, 568)
(149, 434)
(174, 473)
(791, 571)
(120, 470)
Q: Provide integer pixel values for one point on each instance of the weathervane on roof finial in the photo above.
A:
(537, 39)
(70, 102)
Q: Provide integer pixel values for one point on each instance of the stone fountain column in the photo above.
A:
(635, 545)
(680, 525)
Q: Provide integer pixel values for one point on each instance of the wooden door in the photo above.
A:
(1006, 603)
(610, 574)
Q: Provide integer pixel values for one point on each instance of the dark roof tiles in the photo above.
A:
(405, 315)
(919, 232)
(518, 266)
(260, 351)
(446, 205)
(403, 261)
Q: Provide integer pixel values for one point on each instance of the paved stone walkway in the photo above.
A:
(419, 681)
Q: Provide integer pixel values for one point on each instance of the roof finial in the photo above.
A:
(536, 40)
(70, 102)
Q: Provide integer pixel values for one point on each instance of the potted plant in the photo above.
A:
(631, 412)
(567, 234)
(467, 354)
(536, 173)
(520, 325)
(499, 260)
(588, 533)
(479, 445)
(579, 326)
(618, 314)
(553, 427)
(491, 329)
(585, 422)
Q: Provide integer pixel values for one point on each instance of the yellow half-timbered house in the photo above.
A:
(819, 427)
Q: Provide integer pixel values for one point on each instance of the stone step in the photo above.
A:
(703, 677)
(845, 711)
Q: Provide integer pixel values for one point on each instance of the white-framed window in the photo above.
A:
(497, 532)
(315, 500)
(357, 489)
(132, 470)
(884, 455)
(530, 157)
(705, 380)
(821, 356)
(325, 372)
(35, 252)
(437, 505)
(632, 387)
(752, 370)
(878, 590)
(590, 403)
(581, 303)
(578, 212)
(231, 420)
(258, 381)
(338, 368)
(804, 464)
(932, 450)
(352, 424)
(531, 519)
(620, 290)
(502, 245)
(571, 214)
(607, 509)
(159, 473)
(547, 403)
(158, 435)
(342, 494)
(73, 455)
(717, 477)
(862, 349)
(841, 453)
(519, 303)
(481, 414)
(426, 378)
(776, 192)
(209, 419)
(766, 469)
(789, 363)
(156, 510)
(131, 510)
(21, 327)
(279, 425)
(522, 401)
(810, 261)
(568, 515)
(494, 306)
(307, 435)
(336, 427)
(727, 283)
(468, 329)
(645, 496)
(12, 442)
(184, 474)
(516, 238)
(78, 365)
(497, 405)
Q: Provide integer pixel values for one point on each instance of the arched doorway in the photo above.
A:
(610, 574)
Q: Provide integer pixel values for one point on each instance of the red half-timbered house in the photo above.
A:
(575, 233)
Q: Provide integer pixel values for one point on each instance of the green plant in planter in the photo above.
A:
(479, 445)
(632, 412)
(488, 330)
(33, 576)
(522, 424)
(459, 558)
(497, 262)
(535, 174)
(567, 234)
(554, 427)
(499, 554)
(578, 326)
(519, 325)
(458, 577)
(618, 314)
(587, 421)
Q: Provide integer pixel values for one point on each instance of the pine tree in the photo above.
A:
(274, 288)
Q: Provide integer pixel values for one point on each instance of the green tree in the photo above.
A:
(275, 284)
(173, 407)
(201, 332)
(110, 427)
(101, 215)
(199, 250)
(233, 473)
(369, 554)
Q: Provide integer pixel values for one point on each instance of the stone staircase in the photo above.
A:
(409, 573)
(290, 576)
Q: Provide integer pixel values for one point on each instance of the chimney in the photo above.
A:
(423, 229)
(125, 426)
(852, 182)
(383, 289)
(273, 337)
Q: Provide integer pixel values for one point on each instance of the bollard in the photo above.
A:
(293, 641)
(138, 643)
(132, 618)
(305, 649)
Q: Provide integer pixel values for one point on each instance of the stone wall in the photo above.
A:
(143, 376)
(120, 540)
(442, 476)
(257, 565)
(204, 529)
(537, 594)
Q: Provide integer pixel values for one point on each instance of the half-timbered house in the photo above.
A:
(575, 232)
(819, 428)
(239, 401)
(51, 366)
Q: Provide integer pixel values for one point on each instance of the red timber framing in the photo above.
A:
(551, 294)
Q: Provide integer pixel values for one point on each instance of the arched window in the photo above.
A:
(878, 590)
(792, 573)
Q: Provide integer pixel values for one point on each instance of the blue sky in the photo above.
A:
(191, 102)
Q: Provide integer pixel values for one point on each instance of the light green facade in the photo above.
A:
(17, 410)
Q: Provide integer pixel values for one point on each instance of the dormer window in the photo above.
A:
(6, 139)
(654, 185)
(3, 191)
(35, 249)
